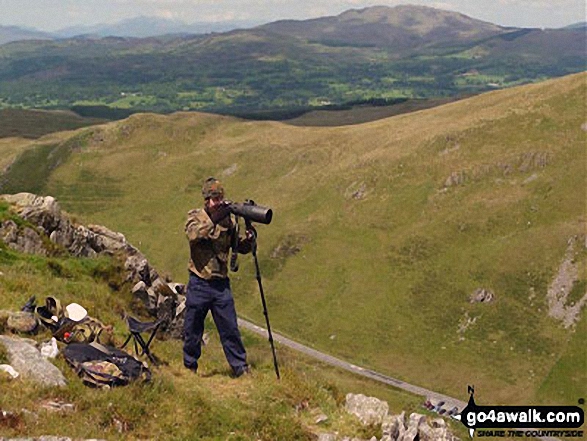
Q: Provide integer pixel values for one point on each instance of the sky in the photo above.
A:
(51, 15)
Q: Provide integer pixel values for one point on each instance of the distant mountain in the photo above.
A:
(142, 27)
(15, 33)
(380, 52)
(402, 27)
(577, 26)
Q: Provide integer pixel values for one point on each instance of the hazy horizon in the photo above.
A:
(60, 14)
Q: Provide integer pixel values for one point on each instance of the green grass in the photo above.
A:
(177, 404)
(568, 373)
(383, 280)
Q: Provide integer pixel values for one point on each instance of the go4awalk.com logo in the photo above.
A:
(522, 421)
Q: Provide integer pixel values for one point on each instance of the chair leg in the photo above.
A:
(142, 344)
(136, 345)
(153, 334)
(126, 341)
(145, 347)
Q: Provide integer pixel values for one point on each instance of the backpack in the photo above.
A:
(104, 366)
(55, 317)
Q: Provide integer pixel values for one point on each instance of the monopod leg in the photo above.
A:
(254, 251)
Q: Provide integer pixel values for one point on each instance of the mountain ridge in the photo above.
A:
(403, 26)
(17, 33)
(288, 65)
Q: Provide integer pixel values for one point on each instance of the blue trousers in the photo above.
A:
(211, 295)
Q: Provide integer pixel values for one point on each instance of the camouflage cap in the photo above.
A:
(212, 188)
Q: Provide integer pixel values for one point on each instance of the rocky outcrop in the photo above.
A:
(373, 412)
(561, 287)
(393, 427)
(27, 360)
(45, 214)
(46, 228)
(522, 163)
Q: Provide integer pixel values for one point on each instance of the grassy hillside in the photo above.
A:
(177, 404)
(381, 231)
(36, 123)
(358, 114)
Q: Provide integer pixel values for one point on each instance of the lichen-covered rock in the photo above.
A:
(24, 240)
(369, 410)
(28, 361)
(105, 240)
(21, 322)
(38, 210)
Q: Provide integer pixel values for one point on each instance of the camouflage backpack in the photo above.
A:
(105, 366)
(54, 316)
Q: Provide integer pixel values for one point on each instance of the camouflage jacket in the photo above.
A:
(210, 244)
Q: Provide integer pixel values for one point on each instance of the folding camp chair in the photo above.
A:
(136, 328)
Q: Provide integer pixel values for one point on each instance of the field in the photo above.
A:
(382, 231)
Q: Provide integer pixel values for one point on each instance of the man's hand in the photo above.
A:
(220, 212)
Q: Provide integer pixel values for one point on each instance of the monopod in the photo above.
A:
(251, 211)
(254, 251)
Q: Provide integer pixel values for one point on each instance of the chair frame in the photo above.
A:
(136, 328)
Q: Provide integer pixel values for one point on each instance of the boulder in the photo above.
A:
(105, 240)
(369, 410)
(28, 361)
(63, 236)
(25, 240)
(38, 210)
(21, 322)
(166, 310)
(426, 433)
(438, 423)
(413, 427)
(138, 268)
(176, 327)
(81, 242)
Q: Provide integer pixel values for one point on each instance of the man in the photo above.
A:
(211, 232)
